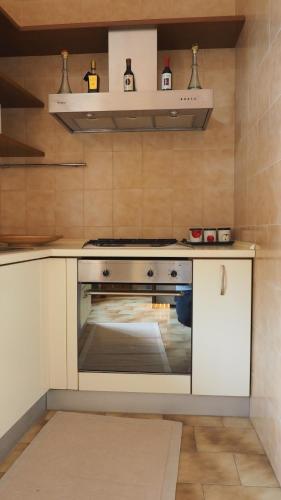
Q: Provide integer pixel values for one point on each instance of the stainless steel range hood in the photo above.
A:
(144, 109)
(134, 111)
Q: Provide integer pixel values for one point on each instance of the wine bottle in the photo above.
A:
(194, 82)
(166, 77)
(92, 78)
(129, 78)
(64, 87)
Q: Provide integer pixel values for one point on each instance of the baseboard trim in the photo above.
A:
(147, 403)
(13, 435)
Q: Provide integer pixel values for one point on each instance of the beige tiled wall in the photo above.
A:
(28, 12)
(258, 203)
(135, 184)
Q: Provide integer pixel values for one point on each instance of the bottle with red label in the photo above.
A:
(166, 77)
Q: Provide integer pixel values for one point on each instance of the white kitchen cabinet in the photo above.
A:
(221, 327)
(72, 324)
(23, 344)
(54, 325)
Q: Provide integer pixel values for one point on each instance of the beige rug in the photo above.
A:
(91, 457)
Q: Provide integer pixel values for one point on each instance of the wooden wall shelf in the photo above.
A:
(209, 32)
(13, 95)
(12, 148)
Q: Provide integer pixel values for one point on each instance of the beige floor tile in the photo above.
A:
(207, 468)
(189, 492)
(231, 439)
(31, 433)
(187, 439)
(197, 421)
(242, 422)
(11, 457)
(241, 493)
(135, 415)
(255, 470)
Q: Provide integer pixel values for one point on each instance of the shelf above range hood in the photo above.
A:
(133, 111)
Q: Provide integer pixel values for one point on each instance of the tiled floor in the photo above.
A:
(221, 458)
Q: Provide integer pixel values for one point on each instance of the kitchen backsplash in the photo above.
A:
(135, 184)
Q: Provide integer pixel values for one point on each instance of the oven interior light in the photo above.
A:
(160, 306)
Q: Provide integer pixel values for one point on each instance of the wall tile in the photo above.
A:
(127, 232)
(127, 141)
(157, 169)
(13, 179)
(41, 179)
(187, 208)
(71, 231)
(127, 169)
(98, 208)
(188, 169)
(157, 140)
(127, 207)
(94, 232)
(217, 207)
(157, 207)
(257, 202)
(69, 208)
(98, 172)
(275, 19)
(41, 208)
(157, 232)
(69, 178)
(13, 209)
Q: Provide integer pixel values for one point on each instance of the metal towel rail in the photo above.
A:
(65, 164)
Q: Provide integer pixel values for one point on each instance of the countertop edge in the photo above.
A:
(73, 249)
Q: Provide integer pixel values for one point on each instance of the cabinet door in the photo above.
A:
(23, 345)
(54, 310)
(221, 327)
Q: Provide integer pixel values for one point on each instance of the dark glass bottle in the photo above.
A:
(92, 78)
(129, 78)
(166, 77)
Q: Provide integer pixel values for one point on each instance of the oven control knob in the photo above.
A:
(174, 274)
(150, 273)
(106, 273)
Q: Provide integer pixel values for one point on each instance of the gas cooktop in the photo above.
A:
(130, 242)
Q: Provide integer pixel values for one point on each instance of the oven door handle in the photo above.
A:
(138, 294)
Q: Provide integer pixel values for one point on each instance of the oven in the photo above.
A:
(135, 324)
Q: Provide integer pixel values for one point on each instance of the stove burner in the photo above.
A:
(123, 242)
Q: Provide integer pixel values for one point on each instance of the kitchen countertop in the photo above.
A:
(73, 248)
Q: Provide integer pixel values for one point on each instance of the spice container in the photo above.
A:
(224, 234)
(210, 235)
(195, 234)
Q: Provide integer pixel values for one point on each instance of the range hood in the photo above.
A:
(145, 109)
(133, 111)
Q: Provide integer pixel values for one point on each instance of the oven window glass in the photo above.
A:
(127, 328)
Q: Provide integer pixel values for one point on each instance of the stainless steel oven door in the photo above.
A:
(135, 328)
